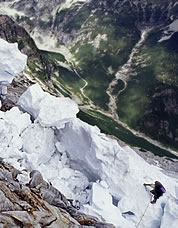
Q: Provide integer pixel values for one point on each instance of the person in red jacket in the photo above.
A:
(158, 190)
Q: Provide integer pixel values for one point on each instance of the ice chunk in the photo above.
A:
(38, 141)
(30, 100)
(17, 118)
(55, 111)
(12, 61)
(101, 201)
(170, 216)
(47, 109)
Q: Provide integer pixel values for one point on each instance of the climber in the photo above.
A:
(158, 190)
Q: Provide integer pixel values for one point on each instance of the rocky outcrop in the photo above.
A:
(37, 204)
(68, 20)
(12, 32)
(160, 120)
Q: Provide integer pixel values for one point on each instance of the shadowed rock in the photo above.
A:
(38, 204)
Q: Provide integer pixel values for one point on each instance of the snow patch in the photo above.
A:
(98, 39)
(171, 29)
(6, 9)
(110, 70)
(68, 3)
(49, 42)
(64, 65)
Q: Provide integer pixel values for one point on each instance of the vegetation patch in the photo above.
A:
(70, 80)
(52, 56)
(77, 19)
(118, 87)
(145, 104)
(93, 62)
(60, 16)
(132, 103)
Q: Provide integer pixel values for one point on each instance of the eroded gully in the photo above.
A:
(123, 74)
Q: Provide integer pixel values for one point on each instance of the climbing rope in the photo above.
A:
(142, 215)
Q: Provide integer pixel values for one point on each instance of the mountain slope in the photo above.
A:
(99, 39)
(41, 65)
(77, 160)
(151, 95)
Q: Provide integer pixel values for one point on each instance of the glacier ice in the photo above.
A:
(83, 163)
(37, 102)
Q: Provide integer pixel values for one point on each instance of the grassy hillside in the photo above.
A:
(108, 45)
(150, 102)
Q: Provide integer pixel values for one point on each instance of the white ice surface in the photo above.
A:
(12, 61)
(38, 142)
(170, 218)
(84, 163)
(48, 110)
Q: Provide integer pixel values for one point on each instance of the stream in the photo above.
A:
(123, 74)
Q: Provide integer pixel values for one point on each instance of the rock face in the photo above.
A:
(12, 32)
(62, 16)
(37, 204)
(161, 121)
